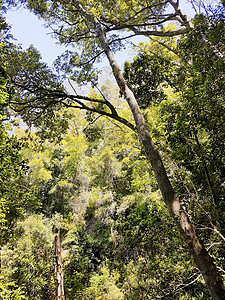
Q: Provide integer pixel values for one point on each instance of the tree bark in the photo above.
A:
(59, 270)
(201, 257)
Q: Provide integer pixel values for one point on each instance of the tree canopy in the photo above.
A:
(116, 171)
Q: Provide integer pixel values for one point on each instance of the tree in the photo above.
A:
(16, 197)
(189, 117)
(196, 119)
(204, 99)
(87, 23)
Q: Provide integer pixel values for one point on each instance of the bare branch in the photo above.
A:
(160, 33)
(165, 18)
(54, 97)
(107, 102)
(116, 117)
(180, 13)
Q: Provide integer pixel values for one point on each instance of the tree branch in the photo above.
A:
(159, 33)
(180, 13)
(114, 116)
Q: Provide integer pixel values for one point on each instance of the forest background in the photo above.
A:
(135, 188)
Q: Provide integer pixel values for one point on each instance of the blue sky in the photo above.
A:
(28, 29)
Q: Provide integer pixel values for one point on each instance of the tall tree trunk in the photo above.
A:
(59, 270)
(201, 257)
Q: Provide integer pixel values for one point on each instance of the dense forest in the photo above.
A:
(128, 173)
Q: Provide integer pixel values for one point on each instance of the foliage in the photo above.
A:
(35, 90)
(94, 182)
(103, 286)
(16, 196)
(145, 76)
(27, 266)
(147, 254)
(199, 125)
(84, 258)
